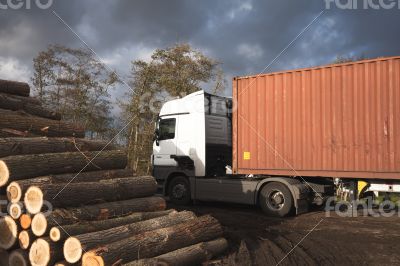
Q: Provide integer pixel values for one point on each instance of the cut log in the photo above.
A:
(16, 189)
(105, 211)
(155, 243)
(25, 221)
(74, 246)
(76, 194)
(45, 252)
(14, 87)
(3, 257)
(65, 263)
(8, 233)
(19, 257)
(39, 225)
(192, 255)
(24, 146)
(38, 125)
(15, 104)
(20, 167)
(59, 233)
(15, 210)
(12, 133)
(30, 100)
(25, 239)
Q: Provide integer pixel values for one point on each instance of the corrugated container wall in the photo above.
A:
(334, 121)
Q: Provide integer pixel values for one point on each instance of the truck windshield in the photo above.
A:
(166, 128)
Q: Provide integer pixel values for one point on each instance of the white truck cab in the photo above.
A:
(192, 151)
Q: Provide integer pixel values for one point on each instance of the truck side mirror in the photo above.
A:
(156, 137)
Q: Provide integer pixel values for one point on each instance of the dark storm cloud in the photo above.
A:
(245, 35)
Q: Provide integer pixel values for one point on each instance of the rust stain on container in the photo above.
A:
(334, 121)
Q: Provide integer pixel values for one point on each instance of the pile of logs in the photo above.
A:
(66, 200)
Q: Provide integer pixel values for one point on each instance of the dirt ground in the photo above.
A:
(259, 240)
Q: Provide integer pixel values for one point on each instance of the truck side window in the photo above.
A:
(167, 128)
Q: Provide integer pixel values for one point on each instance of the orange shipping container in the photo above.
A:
(333, 121)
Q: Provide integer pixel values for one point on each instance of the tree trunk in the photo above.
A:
(12, 133)
(24, 146)
(155, 243)
(39, 226)
(192, 255)
(74, 246)
(30, 100)
(105, 211)
(14, 104)
(8, 232)
(19, 257)
(37, 125)
(20, 167)
(15, 210)
(25, 221)
(14, 87)
(25, 239)
(61, 233)
(45, 252)
(76, 194)
(4, 257)
(16, 189)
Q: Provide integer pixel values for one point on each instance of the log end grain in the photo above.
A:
(39, 224)
(25, 221)
(4, 174)
(8, 232)
(33, 200)
(55, 234)
(91, 259)
(72, 250)
(39, 254)
(14, 192)
(18, 258)
(15, 210)
(24, 239)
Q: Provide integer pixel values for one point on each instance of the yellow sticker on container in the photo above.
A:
(246, 155)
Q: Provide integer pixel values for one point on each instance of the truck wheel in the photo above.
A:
(179, 191)
(276, 200)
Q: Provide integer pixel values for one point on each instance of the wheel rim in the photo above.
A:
(179, 191)
(276, 200)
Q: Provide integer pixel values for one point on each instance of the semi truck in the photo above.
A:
(284, 138)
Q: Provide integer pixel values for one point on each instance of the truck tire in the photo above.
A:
(276, 199)
(179, 191)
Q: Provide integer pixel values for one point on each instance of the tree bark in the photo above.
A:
(155, 243)
(38, 125)
(19, 257)
(4, 257)
(20, 167)
(8, 233)
(105, 211)
(76, 194)
(12, 133)
(45, 252)
(30, 100)
(14, 87)
(25, 239)
(16, 189)
(62, 233)
(24, 146)
(20, 104)
(192, 255)
(73, 246)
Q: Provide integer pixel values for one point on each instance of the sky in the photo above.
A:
(246, 36)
